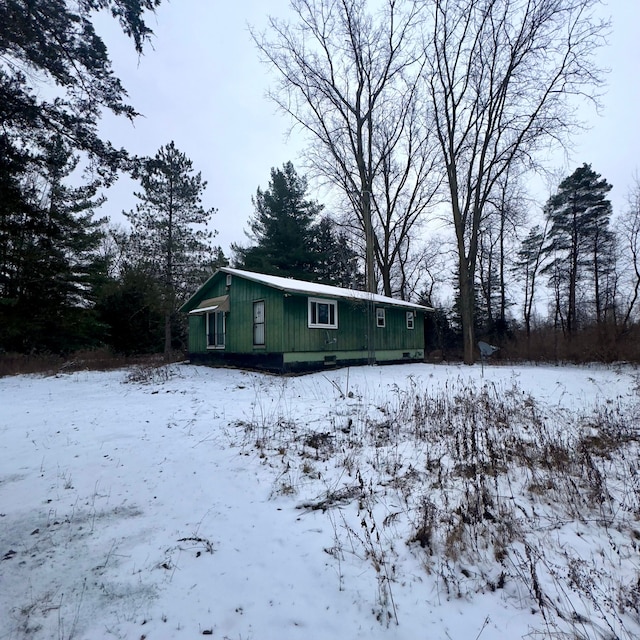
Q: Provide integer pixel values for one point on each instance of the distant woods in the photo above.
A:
(425, 122)
(55, 80)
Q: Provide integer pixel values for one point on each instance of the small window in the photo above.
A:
(410, 320)
(380, 317)
(323, 314)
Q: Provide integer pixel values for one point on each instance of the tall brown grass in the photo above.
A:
(605, 344)
(12, 364)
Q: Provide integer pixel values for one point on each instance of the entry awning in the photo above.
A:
(211, 304)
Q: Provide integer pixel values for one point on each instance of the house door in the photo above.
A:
(258, 323)
(215, 330)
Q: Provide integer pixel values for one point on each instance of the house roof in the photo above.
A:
(289, 285)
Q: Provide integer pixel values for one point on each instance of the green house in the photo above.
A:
(267, 322)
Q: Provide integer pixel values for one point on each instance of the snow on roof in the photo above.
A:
(317, 289)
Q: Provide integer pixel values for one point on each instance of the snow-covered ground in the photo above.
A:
(414, 501)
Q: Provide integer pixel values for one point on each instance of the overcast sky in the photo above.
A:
(201, 84)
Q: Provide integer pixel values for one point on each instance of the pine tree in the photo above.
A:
(580, 241)
(335, 262)
(281, 228)
(55, 81)
(50, 263)
(169, 228)
(53, 44)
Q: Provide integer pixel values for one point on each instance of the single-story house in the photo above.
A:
(279, 324)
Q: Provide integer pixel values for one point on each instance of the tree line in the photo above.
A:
(417, 113)
(419, 109)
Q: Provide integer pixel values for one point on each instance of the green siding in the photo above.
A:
(287, 331)
(197, 334)
(352, 330)
(350, 334)
(239, 320)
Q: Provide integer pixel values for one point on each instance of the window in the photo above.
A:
(215, 330)
(323, 314)
(380, 317)
(410, 320)
(258, 323)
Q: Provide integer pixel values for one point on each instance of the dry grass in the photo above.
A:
(487, 488)
(12, 364)
(592, 344)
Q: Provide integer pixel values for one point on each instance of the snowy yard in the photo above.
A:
(399, 502)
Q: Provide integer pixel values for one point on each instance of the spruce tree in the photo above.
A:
(335, 262)
(290, 241)
(169, 229)
(281, 228)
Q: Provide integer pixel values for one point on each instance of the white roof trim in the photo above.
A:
(316, 289)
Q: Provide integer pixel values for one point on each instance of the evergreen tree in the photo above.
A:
(281, 228)
(335, 262)
(290, 241)
(169, 228)
(129, 300)
(130, 308)
(53, 44)
(55, 81)
(49, 261)
(580, 242)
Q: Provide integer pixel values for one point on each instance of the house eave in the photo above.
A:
(299, 287)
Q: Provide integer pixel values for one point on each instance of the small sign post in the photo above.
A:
(486, 351)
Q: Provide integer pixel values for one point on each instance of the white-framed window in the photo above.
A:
(323, 314)
(410, 320)
(215, 330)
(381, 318)
(258, 323)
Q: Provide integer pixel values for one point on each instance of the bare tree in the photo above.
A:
(488, 268)
(527, 267)
(628, 232)
(501, 75)
(350, 79)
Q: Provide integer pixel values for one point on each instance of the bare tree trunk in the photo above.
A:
(351, 79)
(467, 313)
(169, 283)
(500, 76)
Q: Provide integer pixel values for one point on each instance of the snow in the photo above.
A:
(314, 288)
(188, 501)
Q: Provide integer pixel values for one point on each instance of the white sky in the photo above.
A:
(203, 86)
